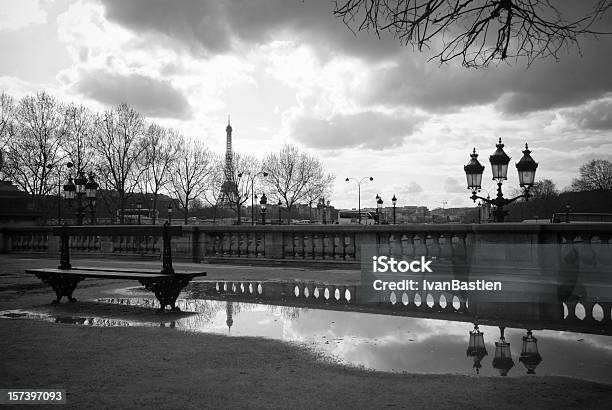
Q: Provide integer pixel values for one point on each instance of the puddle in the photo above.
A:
(375, 341)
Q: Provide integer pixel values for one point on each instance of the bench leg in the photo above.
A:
(63, 285)
(166, 291)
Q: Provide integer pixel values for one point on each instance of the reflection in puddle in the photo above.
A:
(384, 342)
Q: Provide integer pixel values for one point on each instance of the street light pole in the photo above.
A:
(280, 203)
(263, 203)
(359, 191)
(253, 196)
(394, 200)
(379, 204)
(170, 214)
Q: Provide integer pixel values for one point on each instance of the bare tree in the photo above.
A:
(476, 31)
(79, 137)
(544, 188)
(159, 151)
(7, 112)
(33, 143)
(295, 176)
(117, 141)
(190, 173)
(595, 175)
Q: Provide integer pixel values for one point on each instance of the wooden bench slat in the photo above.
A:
(134, 270)
(110, 274)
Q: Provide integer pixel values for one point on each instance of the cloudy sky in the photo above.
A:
(287, 71)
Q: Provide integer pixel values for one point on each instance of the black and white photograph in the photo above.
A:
(220, 204)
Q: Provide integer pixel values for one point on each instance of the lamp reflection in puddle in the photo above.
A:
(229, 313)
(476, 347)
(530, 357)
(503, 357)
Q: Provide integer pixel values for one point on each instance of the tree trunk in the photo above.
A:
(121, 208)
(185, 210)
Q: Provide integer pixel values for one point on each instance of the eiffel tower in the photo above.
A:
(229, 189)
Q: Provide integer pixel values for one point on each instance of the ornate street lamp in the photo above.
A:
(69, 190)
(139, 208)
(379, 205)
(526, 168)
(394, 201)
(280, 203)
(359, 181)
(503, 357)
(170, 214)
(476, 347)
(263, 202)
(530, 357)
(91, 191)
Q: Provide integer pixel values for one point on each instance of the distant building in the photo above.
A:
(16, 207)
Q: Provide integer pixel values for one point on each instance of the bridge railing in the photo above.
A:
(328, 243)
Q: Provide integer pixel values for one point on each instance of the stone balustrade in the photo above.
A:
(328, 243)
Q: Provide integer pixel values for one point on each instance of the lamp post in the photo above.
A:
(394, 201)
(280, 203)
(379, 204)
(139, 208)
(170, 214)
(526, 168)
(253, 196)
(91, 191)
(69, 191)
(76, 190)
(568, 209)
(359, 181)
(263, 202)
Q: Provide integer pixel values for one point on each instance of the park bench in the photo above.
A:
(166, 283)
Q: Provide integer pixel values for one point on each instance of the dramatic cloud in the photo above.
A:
(368, 129)
(595, 116)
(214, 27)
(413, 81)
(152, 97)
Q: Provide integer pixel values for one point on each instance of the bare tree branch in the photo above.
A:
(478, 32)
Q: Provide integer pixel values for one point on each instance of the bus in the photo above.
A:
(130, 215)
(352, 217)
